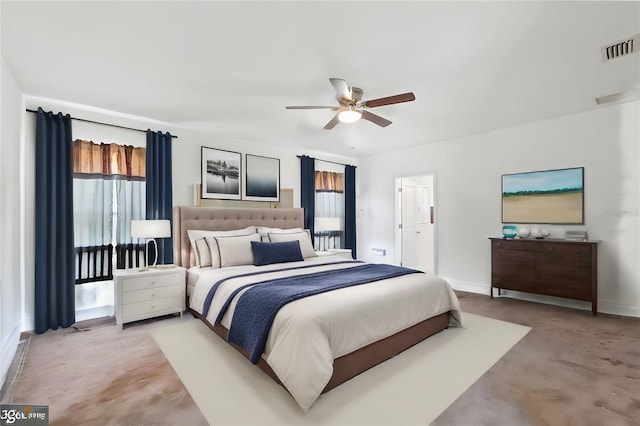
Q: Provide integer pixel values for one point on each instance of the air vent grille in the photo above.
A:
(621, 48)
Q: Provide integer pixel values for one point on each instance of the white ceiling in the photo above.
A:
(231, 67)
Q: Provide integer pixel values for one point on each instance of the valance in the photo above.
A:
(329, 181)
(108, 161)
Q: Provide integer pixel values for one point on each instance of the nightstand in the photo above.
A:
(147, 294)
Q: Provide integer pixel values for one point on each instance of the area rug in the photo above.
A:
(410, 389)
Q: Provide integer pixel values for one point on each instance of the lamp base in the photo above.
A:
(149, 241)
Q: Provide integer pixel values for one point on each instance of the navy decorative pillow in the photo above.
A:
(267, 253)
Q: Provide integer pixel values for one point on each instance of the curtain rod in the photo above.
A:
(106, 124)
(327, 161)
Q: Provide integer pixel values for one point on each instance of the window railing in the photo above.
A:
(130, 255)
(325, 240)
(95, 263)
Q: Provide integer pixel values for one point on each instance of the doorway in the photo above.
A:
(415, 224)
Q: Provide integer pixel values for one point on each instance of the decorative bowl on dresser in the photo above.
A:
(147, 294)
(553, 267)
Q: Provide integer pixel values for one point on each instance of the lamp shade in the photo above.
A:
(150, 228)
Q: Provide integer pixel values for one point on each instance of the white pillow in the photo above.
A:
(264, 231)
(203, 253)
(234, 251)
(305, 241)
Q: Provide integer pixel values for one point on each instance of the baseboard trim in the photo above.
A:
(9, 349)
(624, 309)
(604, 306)
(469, 286)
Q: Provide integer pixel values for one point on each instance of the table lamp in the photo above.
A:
(150, 229)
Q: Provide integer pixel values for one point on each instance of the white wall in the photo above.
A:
(10, 219)
(468, 171)
(186, 161)
(468, 184)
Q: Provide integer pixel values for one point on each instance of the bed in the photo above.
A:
(314, 343)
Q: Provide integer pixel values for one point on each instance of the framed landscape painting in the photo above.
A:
(221, 171)
(262, 180)
(545, 197)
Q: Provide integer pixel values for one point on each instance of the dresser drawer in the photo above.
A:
(509, 244)
(150, 294)
(151, 308)
(559, 248)
(584, 262)
(514, 270)
(143, 282)
(511, 256)
(564, 280)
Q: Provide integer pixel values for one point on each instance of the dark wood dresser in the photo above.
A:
(552, 267)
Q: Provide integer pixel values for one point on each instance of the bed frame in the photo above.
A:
(224, 219)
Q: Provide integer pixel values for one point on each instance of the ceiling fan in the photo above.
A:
(352, 107)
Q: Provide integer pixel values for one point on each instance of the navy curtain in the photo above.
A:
(160, 189)
(54, 252)
(308, 191)
(350, 209)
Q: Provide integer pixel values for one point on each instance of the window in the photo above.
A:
(329, 213)
(108, 192)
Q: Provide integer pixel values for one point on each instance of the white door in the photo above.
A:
(424, 230)
(409, 224)
(417, 231)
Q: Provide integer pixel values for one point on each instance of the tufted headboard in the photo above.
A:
(224, 219)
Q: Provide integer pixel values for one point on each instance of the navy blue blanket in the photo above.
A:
(257, 307)
(212, 291)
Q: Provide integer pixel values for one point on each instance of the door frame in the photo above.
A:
(397, 243)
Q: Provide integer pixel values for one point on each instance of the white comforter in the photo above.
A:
(308, 334)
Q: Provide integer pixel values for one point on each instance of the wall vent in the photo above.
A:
(621, 48)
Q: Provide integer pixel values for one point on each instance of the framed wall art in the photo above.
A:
(548, 196)
(221, 174)
(262, 178)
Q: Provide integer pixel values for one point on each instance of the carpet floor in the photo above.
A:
(570, 369)
(95, 374)
(437, 370)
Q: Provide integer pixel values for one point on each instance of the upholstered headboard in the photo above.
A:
(224, 219)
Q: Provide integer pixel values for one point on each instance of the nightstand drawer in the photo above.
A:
(152, 281)
(151, 307)
(150, 294)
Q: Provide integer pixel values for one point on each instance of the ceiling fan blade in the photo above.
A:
(396, 99)
(343, 94)
(376, 119)
(332, 123)
(311, 107)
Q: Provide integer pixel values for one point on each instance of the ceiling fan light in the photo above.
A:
(349, 115)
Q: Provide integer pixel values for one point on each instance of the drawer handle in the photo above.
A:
(153, 295)
(153, 306)
(153, 282)
(550, 248)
